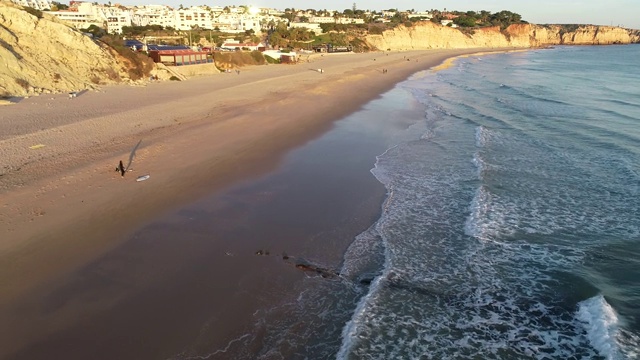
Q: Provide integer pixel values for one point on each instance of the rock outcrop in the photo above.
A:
(428, 35)
(45, 55)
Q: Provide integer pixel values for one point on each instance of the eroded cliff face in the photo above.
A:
(45, 55)
(428, 35)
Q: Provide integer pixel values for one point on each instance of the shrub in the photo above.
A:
(57, 77)
(112, 74)
(258, 57)
(238, 58)
(376, 29)
(469, 32)
(359, 45)
(140, 65)
(271, 60)
(95, 79)
(35, 12)
(23, 83)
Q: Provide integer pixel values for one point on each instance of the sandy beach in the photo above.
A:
(63, 205)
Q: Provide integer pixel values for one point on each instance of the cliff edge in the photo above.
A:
(41, 55)
(427, 35)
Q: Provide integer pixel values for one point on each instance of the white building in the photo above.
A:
(343, 20)
(153, 15)
(115, 17)
(388, 14)
(81, 16)
(36, 4)
(322, 20)
(309, 26)
(420, 14)
(216, 11)
(195, 17)
(231, 44)
(448, 23)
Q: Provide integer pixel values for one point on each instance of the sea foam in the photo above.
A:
(601, 324)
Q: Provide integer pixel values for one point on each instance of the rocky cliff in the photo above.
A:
(428, 35)
(40, 55)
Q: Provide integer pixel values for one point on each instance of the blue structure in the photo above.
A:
(134, 44)
(167, 47)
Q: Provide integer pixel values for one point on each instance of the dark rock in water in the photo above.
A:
(304, 265)
(325, 273)
(259, 252)
(366, 280)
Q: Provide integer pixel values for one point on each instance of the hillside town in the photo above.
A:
(229, 19)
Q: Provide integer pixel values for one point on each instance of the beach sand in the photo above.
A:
(65, 212)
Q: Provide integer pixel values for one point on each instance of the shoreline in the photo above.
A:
(61, 219)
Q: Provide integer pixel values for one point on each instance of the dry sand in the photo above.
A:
(62, 204)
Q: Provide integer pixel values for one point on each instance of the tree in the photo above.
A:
(465, 21)
(60, 6)
(288, 15)
(505, 18)
(94, 30)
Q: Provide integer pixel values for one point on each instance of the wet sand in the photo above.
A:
(73, 240)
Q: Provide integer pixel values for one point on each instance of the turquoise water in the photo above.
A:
(510, 229)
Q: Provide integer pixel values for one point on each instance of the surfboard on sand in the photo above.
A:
(143, 177)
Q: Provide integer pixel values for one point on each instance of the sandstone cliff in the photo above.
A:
(45, 55)
(427, 35)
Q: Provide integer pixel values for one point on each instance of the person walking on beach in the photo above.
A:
(120, 168)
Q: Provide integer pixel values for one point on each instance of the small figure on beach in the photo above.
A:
(121, 168)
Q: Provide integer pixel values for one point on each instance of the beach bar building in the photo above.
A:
(178, 57)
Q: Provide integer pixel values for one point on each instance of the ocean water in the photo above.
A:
(511, 226)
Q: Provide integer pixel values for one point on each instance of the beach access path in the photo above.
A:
(62, 203)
